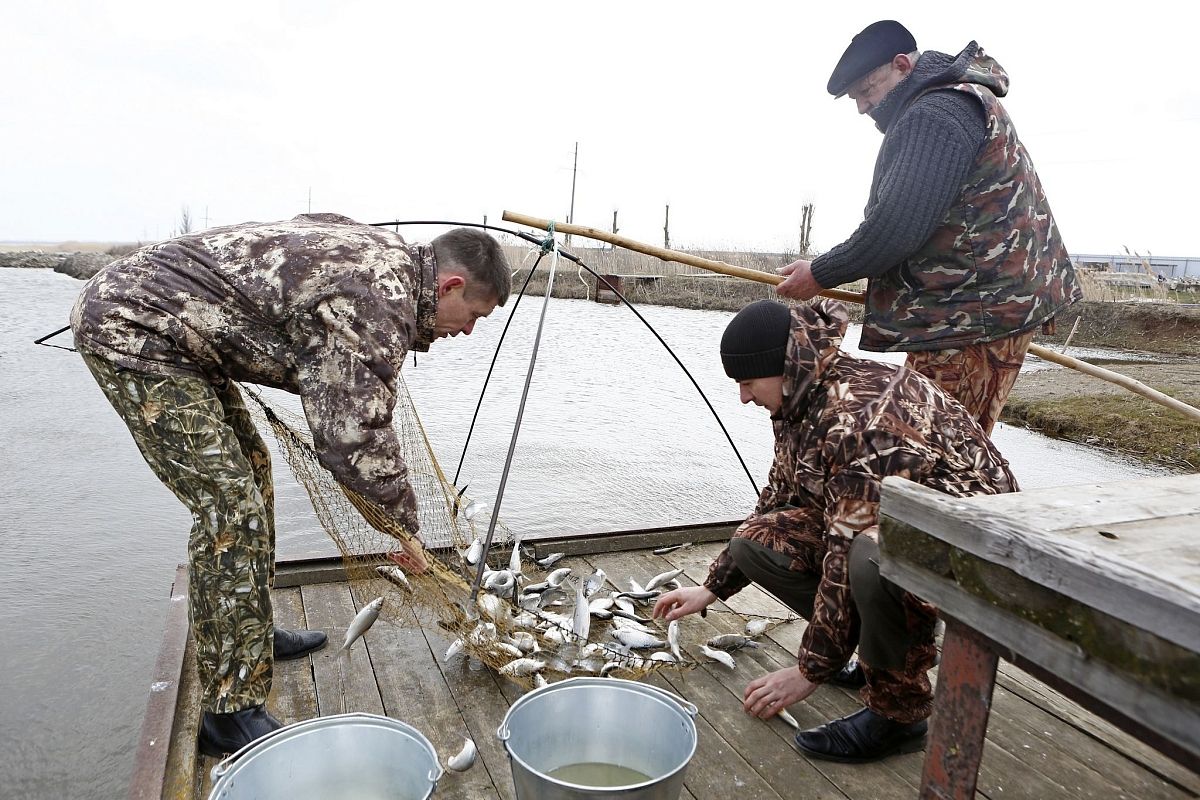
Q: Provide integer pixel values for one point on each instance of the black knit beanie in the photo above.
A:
(755, 341)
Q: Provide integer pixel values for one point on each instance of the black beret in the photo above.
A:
(874, 46)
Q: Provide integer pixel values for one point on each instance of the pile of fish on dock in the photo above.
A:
(552, 623)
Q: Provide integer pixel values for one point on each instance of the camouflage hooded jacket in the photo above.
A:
(320, 306)
(995, 264)
(846, 424)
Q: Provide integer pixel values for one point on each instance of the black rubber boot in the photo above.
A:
(850, 676)
(228, 733)
(295, 644)
(861, 737)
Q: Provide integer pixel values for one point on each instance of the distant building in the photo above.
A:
(1156, 265)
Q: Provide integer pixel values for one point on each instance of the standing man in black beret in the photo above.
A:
(963, 259)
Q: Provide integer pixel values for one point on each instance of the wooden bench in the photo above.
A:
(1093, 589)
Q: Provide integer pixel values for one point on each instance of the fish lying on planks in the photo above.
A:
(719, 656)
(662, 579)
(361, 623)
(522, 667)
(464, 759)
(731, 641)
(671, 548)
(550, 560)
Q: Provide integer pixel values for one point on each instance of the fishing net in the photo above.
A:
(526, 636)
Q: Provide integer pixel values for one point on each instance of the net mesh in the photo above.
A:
(526, 636)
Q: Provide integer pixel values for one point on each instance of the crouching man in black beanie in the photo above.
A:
(842, 424)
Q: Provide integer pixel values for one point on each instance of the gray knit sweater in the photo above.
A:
(926, 155)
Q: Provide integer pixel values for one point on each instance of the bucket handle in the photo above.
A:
(227, 763)
(690, 708)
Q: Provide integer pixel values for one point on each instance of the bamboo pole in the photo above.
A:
(1124, 381)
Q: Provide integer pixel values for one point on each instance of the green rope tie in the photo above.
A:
(548, 242)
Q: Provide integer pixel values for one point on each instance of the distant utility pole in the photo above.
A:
(574, 170)
(613, 246)
(310, 199)
(667, 228)
(206, 217)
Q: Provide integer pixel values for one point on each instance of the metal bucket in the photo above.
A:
(364, 756)
(599, 721)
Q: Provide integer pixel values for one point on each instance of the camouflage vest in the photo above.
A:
(996, 265)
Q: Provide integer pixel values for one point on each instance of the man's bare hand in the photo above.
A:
(412, 559)
(799, 283)
(767, 696)
(681, 602)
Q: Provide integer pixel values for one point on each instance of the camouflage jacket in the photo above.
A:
(320, 306)
(996, 265)
(846, 424)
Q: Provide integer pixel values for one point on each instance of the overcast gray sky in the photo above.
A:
(117, 114)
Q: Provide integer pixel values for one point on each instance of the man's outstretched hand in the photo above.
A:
(681, 602)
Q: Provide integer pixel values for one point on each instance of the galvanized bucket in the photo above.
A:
(364, 756)
(599, 721)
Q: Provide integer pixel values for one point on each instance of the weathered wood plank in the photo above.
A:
(648, 538)
(1144, 759)
(154, 742)
(1152, 600)
(1176, 723)
(185, 773)
(414, 691)
(293, 688)
(344, 683)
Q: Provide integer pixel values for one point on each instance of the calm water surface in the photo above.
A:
(614, 436)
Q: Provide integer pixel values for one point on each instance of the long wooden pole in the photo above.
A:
(1124, 381)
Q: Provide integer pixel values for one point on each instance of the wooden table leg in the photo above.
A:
(962, 702)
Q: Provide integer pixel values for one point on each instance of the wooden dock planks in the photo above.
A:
(1039, 744)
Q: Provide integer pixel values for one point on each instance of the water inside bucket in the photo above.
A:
(598, 774)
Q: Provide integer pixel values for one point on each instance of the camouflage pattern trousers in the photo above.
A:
(979, 376)
(893, 628)
(200, 441)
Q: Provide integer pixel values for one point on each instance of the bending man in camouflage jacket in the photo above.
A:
(320, 306)
(961, 254)
(842, 425)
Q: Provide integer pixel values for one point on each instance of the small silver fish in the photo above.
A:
(673, 639)
(509, 649)
(493, 607)
(514, 561)
(464, 759)
(500, 582)
(539, 681)
(550, 560)
(661, 578)
(395, 575)
(636, 639)
(522, 667)
(787, 717)
(473, 508)
(718, 655)
(641, 597)
(620, 622)
(581, 623)
(362, 621)
(559, 575)
(454, 649)
(664, 656)
(594, 582)
(731, 641)
(623, 603)
(525, 641)
(537, 588)
(475, 552)
(617, 612)
(550, 597)
(671, 548)
(757, 627)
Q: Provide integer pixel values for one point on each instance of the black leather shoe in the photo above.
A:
(228, 733)
(294, 644)
(850, 676)
(861, 737)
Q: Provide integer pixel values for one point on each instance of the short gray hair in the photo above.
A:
(480, 256)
